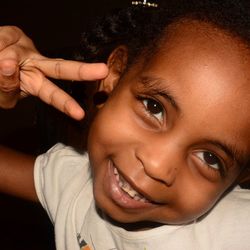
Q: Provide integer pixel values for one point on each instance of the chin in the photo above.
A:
(115, 215)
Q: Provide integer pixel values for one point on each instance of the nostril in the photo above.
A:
(158, 164)
(163, 175)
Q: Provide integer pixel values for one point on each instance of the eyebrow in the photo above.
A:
(158, 86)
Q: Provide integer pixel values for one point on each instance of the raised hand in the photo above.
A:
(24, 71)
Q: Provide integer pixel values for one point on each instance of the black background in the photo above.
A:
(53, 26)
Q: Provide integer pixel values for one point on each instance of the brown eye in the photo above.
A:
(209, 159)
(154, 108)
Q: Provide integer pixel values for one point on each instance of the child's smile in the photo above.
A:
(174, 134)
(123, 193)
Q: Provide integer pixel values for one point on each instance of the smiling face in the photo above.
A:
(171, 138)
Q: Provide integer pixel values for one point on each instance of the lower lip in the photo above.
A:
(121, 198)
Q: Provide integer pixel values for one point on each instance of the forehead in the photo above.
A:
(205, 59)
(197, 41)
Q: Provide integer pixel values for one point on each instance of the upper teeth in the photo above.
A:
(125, 186)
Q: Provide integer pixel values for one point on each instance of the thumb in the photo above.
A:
(8, 67)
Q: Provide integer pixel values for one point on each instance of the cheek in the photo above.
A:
(190, 208)
(111, 128)
(192, 197)
(199, 201)
(102, 140)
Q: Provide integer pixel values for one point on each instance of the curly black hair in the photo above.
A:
(140, 27)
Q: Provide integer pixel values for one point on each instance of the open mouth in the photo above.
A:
(122, 193)
(126, 187)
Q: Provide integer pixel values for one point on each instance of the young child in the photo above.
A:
(168, 144)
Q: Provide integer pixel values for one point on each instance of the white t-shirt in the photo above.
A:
(64, 187)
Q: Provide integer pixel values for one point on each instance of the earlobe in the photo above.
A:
(117, 63)
(99, 98)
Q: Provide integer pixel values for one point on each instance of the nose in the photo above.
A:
(160, 161)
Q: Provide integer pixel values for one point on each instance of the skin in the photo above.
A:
(24, 71)
(169, 124)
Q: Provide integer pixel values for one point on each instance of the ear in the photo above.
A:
(117, 62)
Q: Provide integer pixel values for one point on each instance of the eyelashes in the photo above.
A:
(211, 160)
(153, 107)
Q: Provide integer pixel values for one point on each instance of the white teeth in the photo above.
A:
(116, 175)
(125, 186)
(117, 178)
(129, 190)
(137, 198)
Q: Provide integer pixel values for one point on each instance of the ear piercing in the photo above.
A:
(100, 97)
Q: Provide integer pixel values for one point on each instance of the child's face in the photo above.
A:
(171, 138)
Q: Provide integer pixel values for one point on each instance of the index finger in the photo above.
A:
(70, 70)
(35, 83)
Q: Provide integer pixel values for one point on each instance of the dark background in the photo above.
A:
(53, 26)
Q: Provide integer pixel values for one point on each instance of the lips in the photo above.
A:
(122, 193)
(126, 187)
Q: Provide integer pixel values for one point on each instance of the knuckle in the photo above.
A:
(9, 35)
(9, 89)
(3, 42)
(52, 97)
(58, 70)
(29, 63)
(15, 29)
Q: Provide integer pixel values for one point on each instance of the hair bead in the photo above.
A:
(145, 3)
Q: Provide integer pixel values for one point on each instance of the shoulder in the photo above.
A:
(61, 155)
(227, 224)
(232, 209)
(238, 197)
(59, 167)
(62, 150)
(61, 164)
(60, 175)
